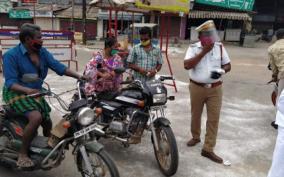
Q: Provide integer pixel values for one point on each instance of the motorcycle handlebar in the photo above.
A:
(40, 94)
(163, 78)
(126, 82)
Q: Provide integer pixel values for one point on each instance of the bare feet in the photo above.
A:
(24, 161)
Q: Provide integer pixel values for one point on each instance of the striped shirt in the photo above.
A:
(146, 60)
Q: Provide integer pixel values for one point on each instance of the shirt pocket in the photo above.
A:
(140, 57)
(215, 61)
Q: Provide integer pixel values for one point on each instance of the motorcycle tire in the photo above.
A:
(6, 162)
(107, 160)
(173, 151)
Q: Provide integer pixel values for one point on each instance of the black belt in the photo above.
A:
(212, 85)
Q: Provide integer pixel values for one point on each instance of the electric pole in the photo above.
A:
(84, 22)
(276, 14)
(72, 18)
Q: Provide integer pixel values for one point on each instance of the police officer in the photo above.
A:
(276, 60)
(206, 60)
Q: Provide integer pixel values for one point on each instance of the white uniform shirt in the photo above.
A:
(212, 60)
(280, 110)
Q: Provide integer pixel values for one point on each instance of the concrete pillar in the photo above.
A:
(152, 17)
(183, 21)
(100, 29)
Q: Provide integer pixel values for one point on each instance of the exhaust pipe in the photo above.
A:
(6, 161)
(118, 139)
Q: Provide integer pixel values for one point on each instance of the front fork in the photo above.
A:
(155, 112)
(84, 154)
(153, 130)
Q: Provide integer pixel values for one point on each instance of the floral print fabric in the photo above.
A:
(100, 64)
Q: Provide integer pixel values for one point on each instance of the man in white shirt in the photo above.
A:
(277, 167)
(206, 61)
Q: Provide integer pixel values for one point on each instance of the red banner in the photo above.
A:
(29, 1)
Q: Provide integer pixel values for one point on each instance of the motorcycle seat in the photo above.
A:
(11, 114)
(107, 95)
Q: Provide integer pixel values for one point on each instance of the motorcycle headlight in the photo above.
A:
(86, 116)
(159, 98)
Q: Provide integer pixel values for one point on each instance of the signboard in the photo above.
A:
(61, 50)
(23, 14)
(26, 14)
(41, 13)
(5, 6)
(29, 1)
(175, 6)
(245, 5)
(78, 37)
(46, 34)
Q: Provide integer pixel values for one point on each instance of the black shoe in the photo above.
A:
(192, 142)
(212, 156)
(274, 125)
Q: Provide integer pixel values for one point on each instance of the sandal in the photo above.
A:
(25, 162)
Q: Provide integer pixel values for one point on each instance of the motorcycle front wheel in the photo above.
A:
(167, 154)
(103, 165)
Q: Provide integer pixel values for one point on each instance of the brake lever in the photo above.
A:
(38, 94)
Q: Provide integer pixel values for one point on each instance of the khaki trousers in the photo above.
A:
(212, 97)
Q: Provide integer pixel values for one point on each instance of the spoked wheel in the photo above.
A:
(103, 165)
(167, 154)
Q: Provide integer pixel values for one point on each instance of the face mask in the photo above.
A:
(113, 52)
(36, 45)
(146, 43)
(206, 40)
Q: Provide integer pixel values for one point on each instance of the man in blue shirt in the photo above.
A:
(30, 58)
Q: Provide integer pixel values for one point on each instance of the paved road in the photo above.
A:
(245, 137)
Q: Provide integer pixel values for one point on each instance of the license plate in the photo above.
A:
(85, 131)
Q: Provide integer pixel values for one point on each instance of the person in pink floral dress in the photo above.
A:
(101, 69)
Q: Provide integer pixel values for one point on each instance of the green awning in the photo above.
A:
(219, 15)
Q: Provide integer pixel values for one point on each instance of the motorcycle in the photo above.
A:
(47, 153)
(138, 107)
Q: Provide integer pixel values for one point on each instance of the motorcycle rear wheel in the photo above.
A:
(103, 165)
(167, 154)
